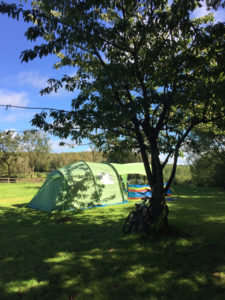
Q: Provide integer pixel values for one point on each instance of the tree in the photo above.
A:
(118, 150)
(9, 149)
(208, 169)
(206, 149)
(205, 138)
(146, 71)
(122, 156)
(37, 147)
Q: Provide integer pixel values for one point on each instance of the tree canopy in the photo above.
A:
(206, 149)
(146, 71)
(37, 146)
(9, 149)
(34, 145)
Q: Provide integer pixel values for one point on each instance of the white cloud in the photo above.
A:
(26, 79)
(35, 80)
(14, 115)
(13, 98)
(32, 78)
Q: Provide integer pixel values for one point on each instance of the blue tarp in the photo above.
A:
(137, 191)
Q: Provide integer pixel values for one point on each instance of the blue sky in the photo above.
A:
(20, 83)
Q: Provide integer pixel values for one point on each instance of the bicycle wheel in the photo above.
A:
(130, 222)
(165, 215)
(145, 221)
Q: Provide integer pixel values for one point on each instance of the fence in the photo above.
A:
(21, 180)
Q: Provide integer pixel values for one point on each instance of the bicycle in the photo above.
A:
(141, 219)
(138, 219)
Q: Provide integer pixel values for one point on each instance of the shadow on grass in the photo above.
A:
(33, 187)
(86, 256)
(20, 205)
(191, 191)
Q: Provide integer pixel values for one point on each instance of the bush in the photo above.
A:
(183, 174)
(209, 170)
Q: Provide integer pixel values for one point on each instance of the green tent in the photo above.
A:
(84, 184)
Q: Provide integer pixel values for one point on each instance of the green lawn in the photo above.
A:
(86, 256)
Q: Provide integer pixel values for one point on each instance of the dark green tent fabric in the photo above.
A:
(77, 186)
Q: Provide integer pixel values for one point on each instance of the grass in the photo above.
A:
(16, 195)
(86, 256)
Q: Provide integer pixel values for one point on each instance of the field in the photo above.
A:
(86, 256)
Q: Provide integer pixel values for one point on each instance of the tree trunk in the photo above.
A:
(155, 179)
(158, 197)
(159, 208)
(32, 172)
(9, 170)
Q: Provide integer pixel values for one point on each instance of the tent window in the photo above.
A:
(137, 179)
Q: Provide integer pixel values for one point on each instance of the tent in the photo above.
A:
(78, 186)
(83, 185)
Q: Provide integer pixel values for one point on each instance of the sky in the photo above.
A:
(20, 83)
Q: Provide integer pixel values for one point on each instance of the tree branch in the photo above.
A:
(176, 155)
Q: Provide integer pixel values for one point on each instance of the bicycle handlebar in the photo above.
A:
(144, 194)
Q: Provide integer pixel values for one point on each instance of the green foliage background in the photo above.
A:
(183, 174)
(209, 169)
